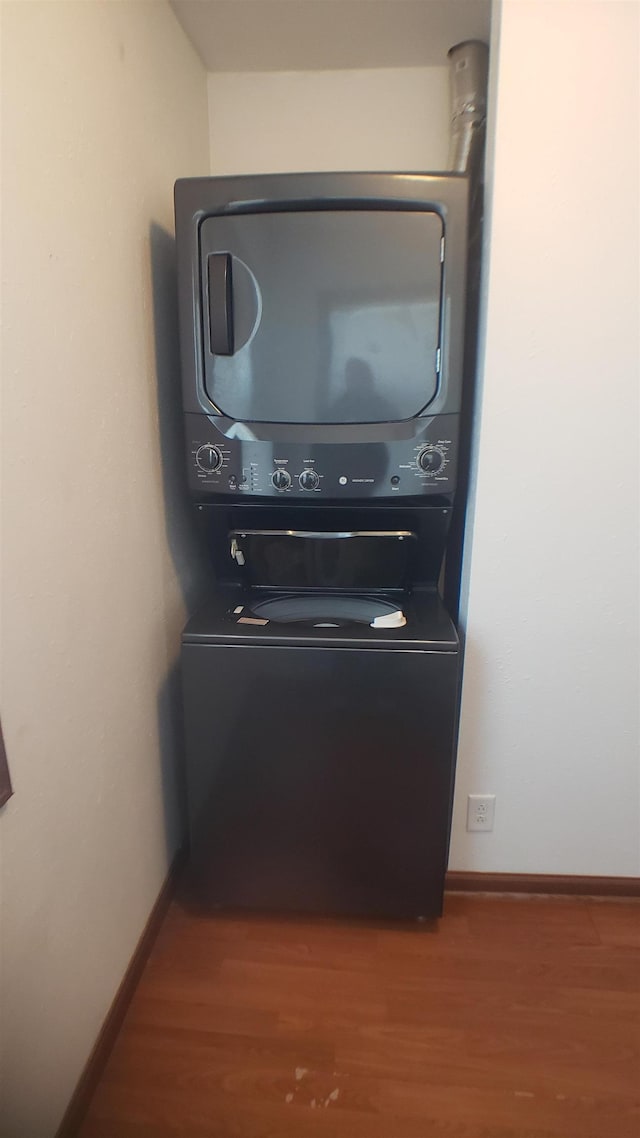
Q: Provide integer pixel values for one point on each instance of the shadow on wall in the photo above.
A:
(184, 540)
(465, 849)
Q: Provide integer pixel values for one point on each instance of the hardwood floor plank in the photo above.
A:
(191, 1052)
(158, 1009)
(513, 1111)
(492, 1058)
(509, 1018)
(617, 925)
(566, 924)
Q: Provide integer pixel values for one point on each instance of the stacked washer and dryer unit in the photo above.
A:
(322, 328)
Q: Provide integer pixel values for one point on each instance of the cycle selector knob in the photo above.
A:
(209, 458)
(309, 480)
(281, 479)
(431, 460)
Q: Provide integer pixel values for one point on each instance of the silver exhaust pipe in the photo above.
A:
(469, 67)
(468, 77)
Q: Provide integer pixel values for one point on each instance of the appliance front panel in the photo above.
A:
(319, 779)
(422, 460)
(321, 316)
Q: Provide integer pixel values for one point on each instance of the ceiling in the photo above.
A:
(320, 35)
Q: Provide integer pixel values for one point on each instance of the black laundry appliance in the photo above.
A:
(322, 329)
(322, 338)
(320, 687)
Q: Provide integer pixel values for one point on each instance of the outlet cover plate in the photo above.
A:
(481, 810)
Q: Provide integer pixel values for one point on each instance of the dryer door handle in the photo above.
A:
(220, 273)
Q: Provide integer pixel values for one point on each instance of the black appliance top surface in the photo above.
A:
(233, 616)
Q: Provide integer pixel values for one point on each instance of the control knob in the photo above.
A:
(209, 458)
(431, 460)
(281, 479)
(309, 480)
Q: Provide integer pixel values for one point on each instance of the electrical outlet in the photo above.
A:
(481, 809)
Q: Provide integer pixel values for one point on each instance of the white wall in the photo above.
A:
(550, 701)
(383, 119)
(104, 106)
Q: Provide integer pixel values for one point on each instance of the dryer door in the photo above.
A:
(321, 316)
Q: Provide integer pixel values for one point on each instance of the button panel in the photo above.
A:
(423, 463)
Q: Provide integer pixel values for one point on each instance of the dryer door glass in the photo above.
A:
(328, 316)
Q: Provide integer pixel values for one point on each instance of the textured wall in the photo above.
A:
(104, 106)
(550, 702)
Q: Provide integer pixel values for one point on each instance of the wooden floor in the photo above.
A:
(509, 1018)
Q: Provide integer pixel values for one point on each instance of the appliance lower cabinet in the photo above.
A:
(319, 779)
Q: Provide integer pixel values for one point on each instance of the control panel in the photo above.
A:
(424, 463)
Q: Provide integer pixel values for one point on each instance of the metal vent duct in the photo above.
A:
(469, 65)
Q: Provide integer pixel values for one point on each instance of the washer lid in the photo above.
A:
(365, 561)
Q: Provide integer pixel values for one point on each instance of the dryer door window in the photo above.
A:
(327, 316)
